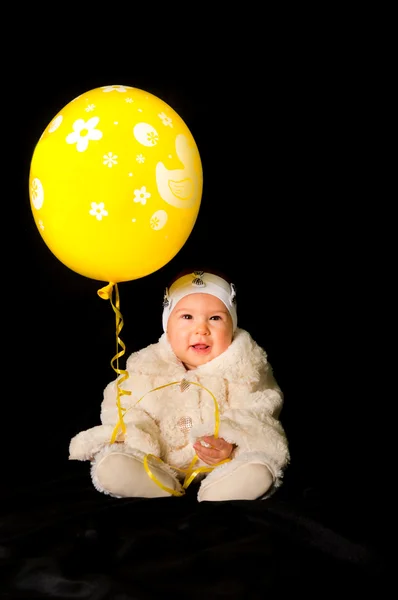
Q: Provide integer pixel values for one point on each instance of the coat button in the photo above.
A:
(185, 424)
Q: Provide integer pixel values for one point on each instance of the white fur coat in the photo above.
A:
(248, 398)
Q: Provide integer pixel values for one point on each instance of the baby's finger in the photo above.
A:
(201, 456)
(211, 452)
(207, 452)
(207, 459)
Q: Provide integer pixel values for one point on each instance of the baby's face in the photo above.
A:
(199, 329)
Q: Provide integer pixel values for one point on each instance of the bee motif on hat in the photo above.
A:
(198, 279)
(233, 294)
(166, 300)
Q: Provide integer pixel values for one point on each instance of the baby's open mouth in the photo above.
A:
(201, 348)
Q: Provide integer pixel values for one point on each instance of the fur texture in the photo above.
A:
(241, 380)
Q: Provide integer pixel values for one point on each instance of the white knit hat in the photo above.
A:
(200, 282)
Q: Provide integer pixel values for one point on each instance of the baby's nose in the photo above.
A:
(202, 328)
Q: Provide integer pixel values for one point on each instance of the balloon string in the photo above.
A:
(106, 293)
(190, 473)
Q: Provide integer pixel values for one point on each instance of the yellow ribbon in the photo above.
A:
(106, 293)
(190, 472)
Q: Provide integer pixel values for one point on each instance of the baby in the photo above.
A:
(200, 405)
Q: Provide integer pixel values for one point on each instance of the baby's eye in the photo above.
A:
(216, 317)
(187, 316)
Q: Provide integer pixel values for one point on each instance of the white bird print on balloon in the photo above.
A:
(181, 187)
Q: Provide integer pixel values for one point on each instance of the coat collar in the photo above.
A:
(244, 361)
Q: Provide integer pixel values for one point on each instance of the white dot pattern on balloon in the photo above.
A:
(55, 123)
(37, 194)
(158, 220)
(145, 134)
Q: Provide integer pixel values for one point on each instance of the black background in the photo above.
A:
(282, 212)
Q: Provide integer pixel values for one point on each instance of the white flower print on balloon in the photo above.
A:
(145, 134)
(83, 133)
(141, 195)
(114, 88)
(167, 121)
(110, 159)
(37, 193)
(98, 210)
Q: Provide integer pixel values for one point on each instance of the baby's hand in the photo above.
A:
(218, 449)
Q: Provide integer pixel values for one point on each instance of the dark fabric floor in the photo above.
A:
(62, 539)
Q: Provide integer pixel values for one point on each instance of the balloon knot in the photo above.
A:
(106, 292)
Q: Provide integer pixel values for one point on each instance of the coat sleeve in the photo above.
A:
(252, 424)
(142, 433)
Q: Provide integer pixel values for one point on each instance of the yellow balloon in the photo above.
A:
(115, 184)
